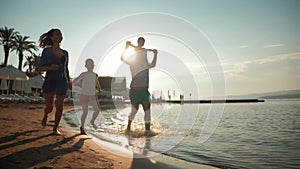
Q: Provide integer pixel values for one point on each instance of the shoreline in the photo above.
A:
(155, 157)
(24, 143)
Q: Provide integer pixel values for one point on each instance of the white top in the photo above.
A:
(88, 83)
(140, 70)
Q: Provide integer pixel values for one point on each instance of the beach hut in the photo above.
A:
(27, 86)
(17, 86)
(3, 85)
(36, 82)
(11, 73)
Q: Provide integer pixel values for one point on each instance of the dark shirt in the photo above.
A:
(48, 58)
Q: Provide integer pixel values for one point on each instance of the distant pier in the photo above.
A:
(215, 101)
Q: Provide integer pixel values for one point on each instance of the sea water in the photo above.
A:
(249, 135)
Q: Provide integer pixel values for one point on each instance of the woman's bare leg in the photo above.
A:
(59, 103)
(49, 102)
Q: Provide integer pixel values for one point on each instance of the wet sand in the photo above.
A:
(24, 143)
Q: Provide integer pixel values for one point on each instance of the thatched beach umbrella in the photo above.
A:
(12, 73)
(36, 82)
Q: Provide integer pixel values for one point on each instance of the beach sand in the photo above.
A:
(24, 143)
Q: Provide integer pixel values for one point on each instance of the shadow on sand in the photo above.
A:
(31, 156)
(14, 136)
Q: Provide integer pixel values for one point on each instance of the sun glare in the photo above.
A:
(129, 54)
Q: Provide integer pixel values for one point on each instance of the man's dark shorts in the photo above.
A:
(139, 96)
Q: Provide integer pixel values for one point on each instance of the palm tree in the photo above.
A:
(21, 45)
(6, 39)
(32, 62)
(28, 62)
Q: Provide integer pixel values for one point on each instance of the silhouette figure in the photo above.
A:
(139, 93)
(54, 61)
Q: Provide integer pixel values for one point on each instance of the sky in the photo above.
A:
(257, 42)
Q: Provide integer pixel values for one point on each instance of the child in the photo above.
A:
(88, 93)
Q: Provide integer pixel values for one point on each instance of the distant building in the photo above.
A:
(105, 82)
(113, 87)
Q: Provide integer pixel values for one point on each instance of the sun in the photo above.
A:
(129, 54)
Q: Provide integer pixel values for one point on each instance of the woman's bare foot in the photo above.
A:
(56, 132)
(82, 131)
(44, 120)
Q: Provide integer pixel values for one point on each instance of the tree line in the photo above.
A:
(11, 41)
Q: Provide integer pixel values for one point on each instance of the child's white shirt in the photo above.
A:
(88, 83)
